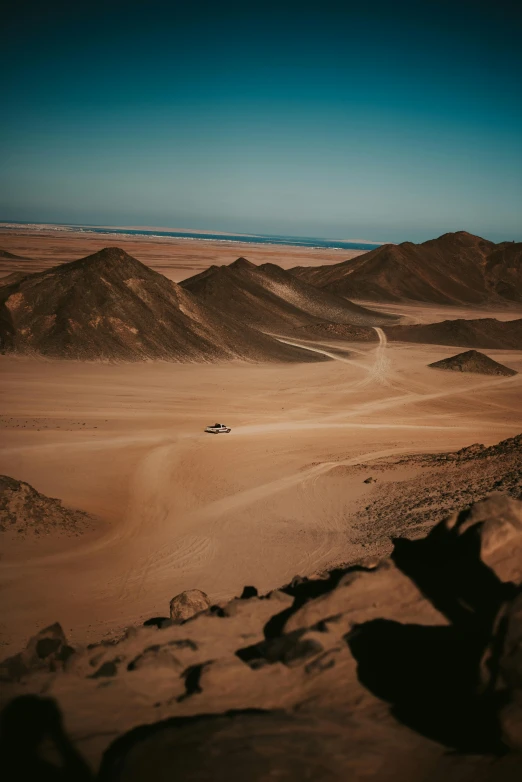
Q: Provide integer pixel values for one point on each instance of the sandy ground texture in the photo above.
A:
(180, 509)
(177, 259)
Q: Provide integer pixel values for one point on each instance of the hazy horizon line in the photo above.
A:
(202, 231)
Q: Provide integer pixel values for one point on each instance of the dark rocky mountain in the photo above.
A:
(479, 333)
(456, 268)
(473, 361)
(270, 298)
(110, 306)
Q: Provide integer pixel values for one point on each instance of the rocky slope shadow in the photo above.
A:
(25, 512)
(410, 669)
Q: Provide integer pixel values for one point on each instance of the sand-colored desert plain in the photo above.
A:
(176, 508)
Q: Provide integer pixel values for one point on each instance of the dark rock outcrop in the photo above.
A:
(473, 361)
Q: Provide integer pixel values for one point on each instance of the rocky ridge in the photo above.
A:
(455, 268)
(271, 299)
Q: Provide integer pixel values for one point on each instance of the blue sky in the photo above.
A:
(398, 122)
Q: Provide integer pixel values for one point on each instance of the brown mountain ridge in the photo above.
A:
(110, 306)
(268, 297)
(455, 268)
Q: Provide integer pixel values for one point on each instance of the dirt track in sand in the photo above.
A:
(180, 509)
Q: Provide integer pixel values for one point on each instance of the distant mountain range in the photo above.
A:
(456, 268)
(109, 306)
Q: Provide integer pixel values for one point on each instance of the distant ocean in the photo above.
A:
(297, 241)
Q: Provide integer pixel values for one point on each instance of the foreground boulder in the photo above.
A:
(187, 604)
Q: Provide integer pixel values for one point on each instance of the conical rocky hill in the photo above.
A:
(110, 306)
(455, 268)
(473, 361)
(268, 297)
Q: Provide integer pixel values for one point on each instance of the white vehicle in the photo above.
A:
(218, 429)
